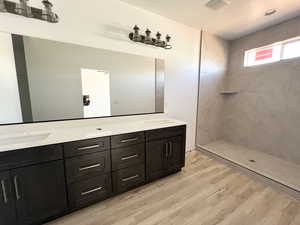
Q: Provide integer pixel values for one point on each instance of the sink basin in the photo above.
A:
(22, 138)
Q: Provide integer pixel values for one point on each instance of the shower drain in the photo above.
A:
(252, 160)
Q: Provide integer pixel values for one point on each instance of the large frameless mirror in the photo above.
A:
(44, 80)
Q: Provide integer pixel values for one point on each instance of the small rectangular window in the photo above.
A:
(263, 55)
(272, 53)
(291, 50)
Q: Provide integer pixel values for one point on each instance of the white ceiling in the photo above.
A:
(239, 18)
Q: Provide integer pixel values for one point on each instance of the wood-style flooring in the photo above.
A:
(206, 192)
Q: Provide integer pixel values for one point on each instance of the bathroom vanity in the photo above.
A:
(40, 183)
(90, 152)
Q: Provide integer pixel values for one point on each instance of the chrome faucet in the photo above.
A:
(23, 9)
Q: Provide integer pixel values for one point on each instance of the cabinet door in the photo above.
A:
(40, 192)
(175, 153)
(156, 159)
(7, 207)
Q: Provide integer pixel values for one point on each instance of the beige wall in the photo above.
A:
(9, 93)
(214, 55)
(265, 115)
(106, 24)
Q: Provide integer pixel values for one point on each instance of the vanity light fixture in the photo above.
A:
(2, 6)
(48, 14)
(23, 9)
(148, 40)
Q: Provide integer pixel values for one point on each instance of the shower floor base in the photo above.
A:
(276, 169)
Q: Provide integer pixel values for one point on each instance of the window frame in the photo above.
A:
(286, 43)
(282, 45)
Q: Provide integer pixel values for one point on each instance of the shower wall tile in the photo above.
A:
(214, 57)
(265, 115)
(240, 118)
(292, 127)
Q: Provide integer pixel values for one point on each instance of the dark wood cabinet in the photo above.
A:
(128, 156)
(128, 161)
(89, 191)
(156, 162)
(29, 156)
(124, 140)
(131, 177)
(41, 183)
(40, 192)
(86, 166)
(176, 153)
(7, 201)
(165, 154)
(83, 147)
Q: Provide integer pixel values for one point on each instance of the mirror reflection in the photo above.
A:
(44, 80)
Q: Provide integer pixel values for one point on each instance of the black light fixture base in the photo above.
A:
(36, 12)
(142, 39)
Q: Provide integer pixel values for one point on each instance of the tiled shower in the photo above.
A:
(248, 113)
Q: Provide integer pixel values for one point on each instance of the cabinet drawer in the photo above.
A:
(128, 178)
(165, 133)
(128, 156)
(86, 146)
(124, 140)
(85, 166)
(25, 157)
(89, 191)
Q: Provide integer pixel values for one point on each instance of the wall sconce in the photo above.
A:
(47, 13)
(148, 40)
(2, 6)
(23, 9)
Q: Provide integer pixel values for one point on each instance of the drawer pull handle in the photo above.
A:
(167, 150)
(129, 140)
(89, 147)
(17, 188)
(171, 148)
(130, 178)
(130, 157)
(89, 167)
(91, 191)
(4, 191)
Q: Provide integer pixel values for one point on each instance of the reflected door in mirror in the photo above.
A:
(96, 93)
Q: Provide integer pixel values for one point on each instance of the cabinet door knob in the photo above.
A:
(4, 191)
(17, 188)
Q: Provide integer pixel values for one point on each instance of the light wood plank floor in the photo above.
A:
(206, 192)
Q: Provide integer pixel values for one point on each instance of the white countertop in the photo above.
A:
(21, 140)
